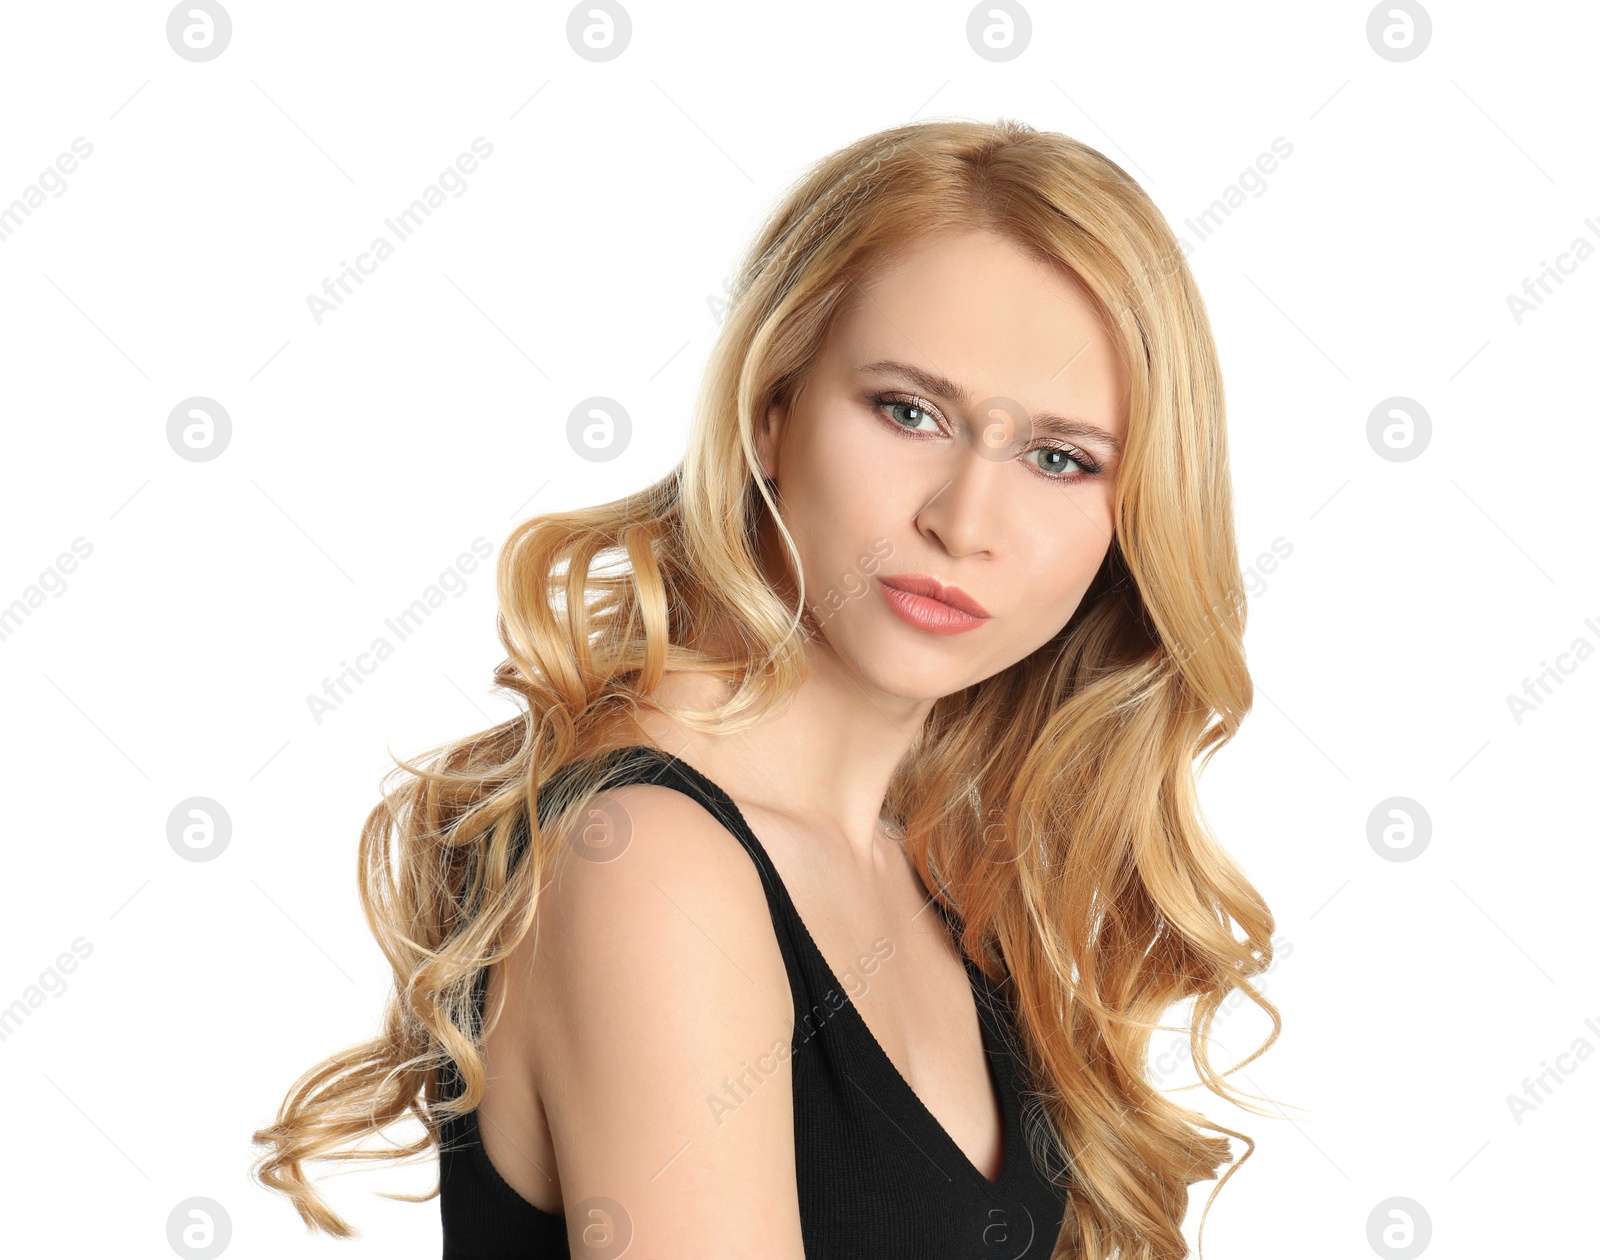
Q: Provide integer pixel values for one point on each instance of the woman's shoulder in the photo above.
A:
(653, 973)
(645, 886)
(648, 822)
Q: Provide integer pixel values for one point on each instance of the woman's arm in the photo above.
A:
(662, 1021)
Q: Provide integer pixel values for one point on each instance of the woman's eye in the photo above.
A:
(915, 416)
(1059, 462)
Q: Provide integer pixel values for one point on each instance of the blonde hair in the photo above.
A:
(1052, 806)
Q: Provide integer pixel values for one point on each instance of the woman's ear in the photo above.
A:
(766, 438)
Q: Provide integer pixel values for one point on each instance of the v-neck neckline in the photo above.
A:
(995, 1057)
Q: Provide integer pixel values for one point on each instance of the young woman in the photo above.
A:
(825, 898)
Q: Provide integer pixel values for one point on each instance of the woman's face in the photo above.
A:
(962, 423)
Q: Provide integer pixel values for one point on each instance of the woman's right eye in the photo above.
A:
(907, 413)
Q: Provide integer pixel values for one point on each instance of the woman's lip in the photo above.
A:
(932, 588)
(923, 613)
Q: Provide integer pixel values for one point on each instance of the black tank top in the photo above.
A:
(878, 1176)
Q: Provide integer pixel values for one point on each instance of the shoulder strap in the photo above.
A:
(645, 763)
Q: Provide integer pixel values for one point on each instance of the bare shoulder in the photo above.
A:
(655, 979)
(642, 849)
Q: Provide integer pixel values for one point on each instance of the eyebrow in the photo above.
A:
(943, 387)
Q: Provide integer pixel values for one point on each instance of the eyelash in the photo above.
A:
(1090, 467)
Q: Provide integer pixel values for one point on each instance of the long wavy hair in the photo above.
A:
(1051, 806)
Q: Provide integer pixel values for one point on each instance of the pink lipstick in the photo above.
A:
(928, 604)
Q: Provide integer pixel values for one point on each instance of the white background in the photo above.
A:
(370, 450)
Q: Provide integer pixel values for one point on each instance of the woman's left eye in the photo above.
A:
(1058, 459)
(915, 411)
